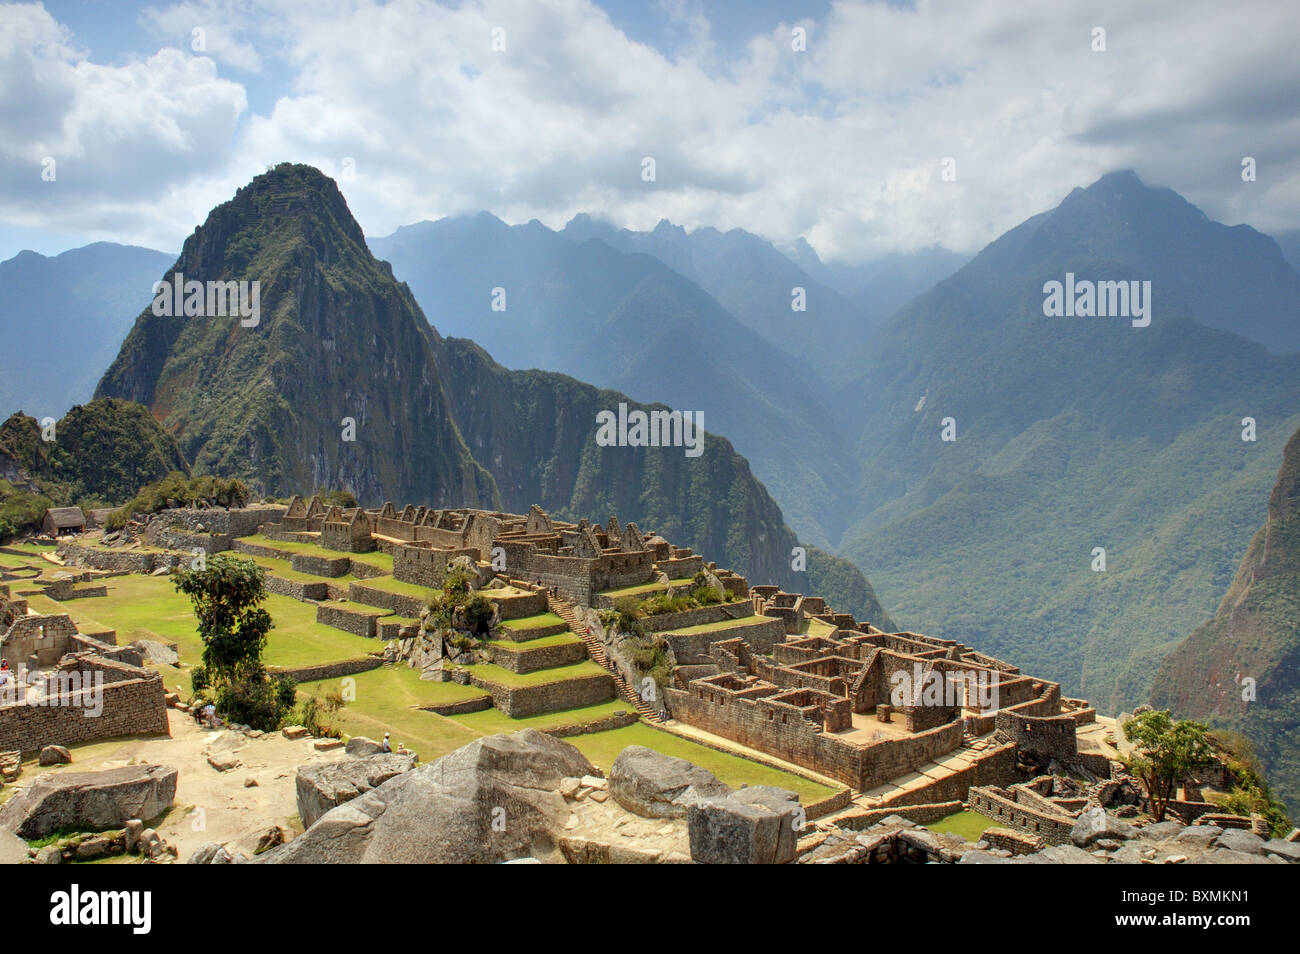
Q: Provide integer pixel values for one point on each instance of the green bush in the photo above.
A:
(178, 489)
(478, 614)
(20, 510)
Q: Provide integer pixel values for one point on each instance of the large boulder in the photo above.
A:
(1095, 823)
(158, 653)
(653, 785)
(325, 785)
(755, 825)
(494, 800)
(89, 800)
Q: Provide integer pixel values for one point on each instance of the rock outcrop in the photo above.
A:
(496, 799)
(653, 785)
(90, 800)
(326, 785)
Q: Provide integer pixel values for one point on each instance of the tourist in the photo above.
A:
(386, 746)
(4, 673)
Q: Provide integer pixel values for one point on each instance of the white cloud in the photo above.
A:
(842, 143)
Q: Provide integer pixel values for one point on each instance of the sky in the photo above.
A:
(863, 127)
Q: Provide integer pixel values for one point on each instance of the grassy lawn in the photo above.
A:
(391, 585)
(385, 698)
(603, 747)
(143, 607)
(492, 721)
(719, 625)
(284, 569)
(543, 677)
(969, 825)
(645, 589)
(816, 627)
(376, 558)
(539, 621)
(559, 639)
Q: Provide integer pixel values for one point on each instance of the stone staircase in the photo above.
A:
(567, 612)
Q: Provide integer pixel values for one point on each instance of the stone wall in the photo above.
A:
(1050, 737)
(523, 659)
(130, 706)
(520, 701)
(359, 621)
(1000, 805)
(334, 670)
(38, 640)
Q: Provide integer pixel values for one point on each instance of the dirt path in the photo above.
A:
(210, 805)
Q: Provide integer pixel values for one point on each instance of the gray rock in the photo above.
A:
(210, 853)
(134, 829)
(1095, 824)
(1066, 855)
(752, 826)
(1289, 850)
(1236, 839)
(55, 755)
(1199, 836)
(13, 850)
(493, 800)
(1160, 831)
(360, 747)
(93, 848)
(49, 855)
(1227, 856)
(89, 800)
(983, 858)
(160, 654)
(327, 785)
(653, 785)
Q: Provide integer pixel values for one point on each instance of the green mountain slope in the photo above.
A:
(1255, 635)
(337, 340)
(1074, 433)
(101, 453)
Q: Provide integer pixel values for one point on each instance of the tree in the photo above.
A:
(1165, 751)
(227, 593)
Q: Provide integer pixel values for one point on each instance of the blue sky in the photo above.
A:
(841, 141)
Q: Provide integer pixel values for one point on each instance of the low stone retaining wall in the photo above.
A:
(760, 637)
(258, 549)
(399, 603)
(296, 589)
(357, 621)
(517, 607)
(921, 814)
(531, 660)
(143, 562)
(321, 565)
(525, 635)
(520, 701)
(618, 720)
(460, 708)
(998, 806)
(334, 670)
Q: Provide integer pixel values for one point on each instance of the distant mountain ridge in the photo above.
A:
(1073, 434)
(343, 382)
(63, 318)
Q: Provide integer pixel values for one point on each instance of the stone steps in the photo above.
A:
(596, 651)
